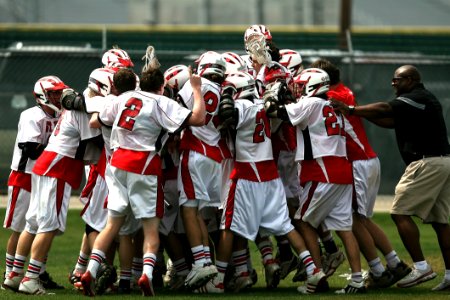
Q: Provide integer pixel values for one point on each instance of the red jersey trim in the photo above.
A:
(20, 179)
(255, 171)
(191, 142)
(332, 169)
(65, 168)
(139, 162)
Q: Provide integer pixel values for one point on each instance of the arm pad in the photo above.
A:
(72, 100)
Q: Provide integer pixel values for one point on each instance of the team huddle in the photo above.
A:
(192, 164)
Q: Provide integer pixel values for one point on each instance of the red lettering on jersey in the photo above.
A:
(211, 104)
(58, 123)
(262, 127)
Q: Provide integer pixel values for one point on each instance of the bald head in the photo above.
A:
(408, 71)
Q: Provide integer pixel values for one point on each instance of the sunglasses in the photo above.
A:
(397, 79)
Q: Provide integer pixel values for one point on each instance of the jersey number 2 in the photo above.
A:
(131, 110)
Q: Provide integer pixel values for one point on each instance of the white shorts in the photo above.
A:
(227, 167)
(16, 209)
(254, 206)
(288, 169)
(199, 178)
(366, 178)
(131, 193)
(49, 202)
(95, 212)
(326, 204)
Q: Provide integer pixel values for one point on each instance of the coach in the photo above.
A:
(424, 189)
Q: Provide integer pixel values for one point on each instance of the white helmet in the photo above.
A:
(261, 29)
(101, 81)
(116, 58)
(292, 60)
(211, 63)
(242, 82)
(313, 82)
(234, 62)
(176, 76)
(47, 84)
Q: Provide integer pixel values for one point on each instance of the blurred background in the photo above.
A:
(367, 39)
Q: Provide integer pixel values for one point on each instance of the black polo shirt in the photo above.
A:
(419, 125)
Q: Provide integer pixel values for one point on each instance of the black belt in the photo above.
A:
(434, 155)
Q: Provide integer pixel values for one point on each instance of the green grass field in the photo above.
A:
(65, 250)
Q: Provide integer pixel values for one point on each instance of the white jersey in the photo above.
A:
(34, 126)
(71, 135)
(141, 119)
(320, 132)
(253, 141)
(207, 133)
(107, 115)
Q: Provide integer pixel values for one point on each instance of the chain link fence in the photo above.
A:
(368, 74)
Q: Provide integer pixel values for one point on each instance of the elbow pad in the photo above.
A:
(72, 100)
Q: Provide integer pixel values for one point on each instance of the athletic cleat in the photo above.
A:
(332, 261)
(211, 287)
(199, 276)
(146, 286)
(124, 287)
(272, 272)
(171, 272)
(106, 277)
(353, 288)
(88, 283)
(400, 271)
(288, 266)
(300, 274)
(443, 286)
(316, 283)
(385, 280)
(239, 282)
(74, 277)
(416, 277)
(176, 282)
(12, 281)
(48, 283)
(31, 286)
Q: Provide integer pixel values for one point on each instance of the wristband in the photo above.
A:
(351, 109)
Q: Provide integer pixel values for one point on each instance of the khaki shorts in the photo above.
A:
(424, 190)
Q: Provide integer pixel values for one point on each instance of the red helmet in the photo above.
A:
(275, 72)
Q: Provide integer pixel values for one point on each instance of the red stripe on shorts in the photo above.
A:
(12, 206)
(229, 210)
(188, 185)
